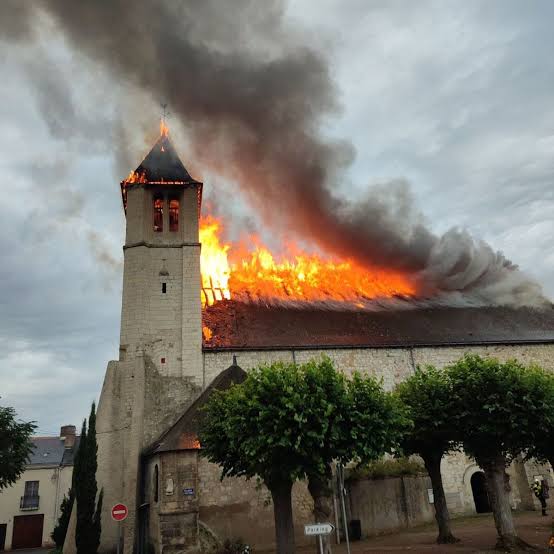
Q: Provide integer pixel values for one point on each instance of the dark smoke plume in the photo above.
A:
(254, 99)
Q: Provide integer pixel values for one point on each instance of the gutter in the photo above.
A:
(365, 346)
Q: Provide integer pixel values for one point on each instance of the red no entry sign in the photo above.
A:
(119, 512)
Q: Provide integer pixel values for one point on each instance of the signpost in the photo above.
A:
(119, 513)
(342, 493)
(318, 530)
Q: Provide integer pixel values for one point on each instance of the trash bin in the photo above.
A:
(355, 529)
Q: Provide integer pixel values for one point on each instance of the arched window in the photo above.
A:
(174, 215)
(156, 483)
(158, 214)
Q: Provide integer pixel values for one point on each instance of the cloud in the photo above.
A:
(454, 99)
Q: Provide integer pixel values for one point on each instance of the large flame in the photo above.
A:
(250, 272)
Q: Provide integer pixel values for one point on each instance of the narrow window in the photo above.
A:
(174, 215)
(158, 215)
(164, 288)
(30, 498)
(31, 488)
(156, 483)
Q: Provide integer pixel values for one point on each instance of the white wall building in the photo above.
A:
(29, 509)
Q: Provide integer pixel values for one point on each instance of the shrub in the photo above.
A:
(235, 546)
(386, 468)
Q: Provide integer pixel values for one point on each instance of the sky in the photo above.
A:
(452, 98)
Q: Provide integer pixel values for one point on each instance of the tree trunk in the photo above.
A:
(433, 466)
(321, 492)
(282, 513)
(498, 488)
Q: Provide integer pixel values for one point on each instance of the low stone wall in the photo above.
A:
(385, 505)
(236, 508)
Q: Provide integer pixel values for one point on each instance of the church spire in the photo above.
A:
(161, 166)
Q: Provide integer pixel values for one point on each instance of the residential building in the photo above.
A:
(29, 509)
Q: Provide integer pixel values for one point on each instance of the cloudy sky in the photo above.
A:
(453, 97)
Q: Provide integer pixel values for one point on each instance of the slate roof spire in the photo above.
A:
(162, 164)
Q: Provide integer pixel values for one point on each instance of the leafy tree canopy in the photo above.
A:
(286, 421)
(541, 384)
(498, 406)
(428, 397)
(377, 420)
(15, 446)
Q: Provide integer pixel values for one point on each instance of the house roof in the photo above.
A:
(51, 451)
(241, 326)
(162, 164)
(183, 434)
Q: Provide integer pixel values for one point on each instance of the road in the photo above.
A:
(477, 534)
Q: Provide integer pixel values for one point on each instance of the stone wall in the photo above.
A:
(178, 502)
(237, 508)
(393, 365)
(385, 505)
(136, 405)
(390, 364)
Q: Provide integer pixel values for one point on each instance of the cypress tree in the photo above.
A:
(79, 479)
(87, 534)
(97, 523)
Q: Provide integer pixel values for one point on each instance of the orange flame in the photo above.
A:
(206, 332)
(256, 274)
(136, 177)
(164, 129)
(214, 264)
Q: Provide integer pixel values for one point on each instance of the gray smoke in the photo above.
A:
(254, 98)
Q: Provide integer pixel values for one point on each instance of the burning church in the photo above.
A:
(190, 324)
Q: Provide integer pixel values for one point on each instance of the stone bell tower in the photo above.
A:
(161, 312)
(159, 371)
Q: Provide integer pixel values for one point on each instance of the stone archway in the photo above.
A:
(480, 494)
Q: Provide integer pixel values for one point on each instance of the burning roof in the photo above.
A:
(236, 325)
(161, 165)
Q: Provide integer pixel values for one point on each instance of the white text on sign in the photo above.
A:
(318, 529)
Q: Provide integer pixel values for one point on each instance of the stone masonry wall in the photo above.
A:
(385, 505)
(178, 502)
(393, 365)
(237, 508)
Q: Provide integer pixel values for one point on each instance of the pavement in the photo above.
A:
(32, 551)
(477, 534)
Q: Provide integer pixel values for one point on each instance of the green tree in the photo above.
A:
(88, 529)
(357, 420)
(497, 416)
(286, 422)
(542, 384)
(97, 523)
(324, 382)
(427, 396)
(15, 446)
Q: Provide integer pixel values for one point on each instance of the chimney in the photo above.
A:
(67, 434)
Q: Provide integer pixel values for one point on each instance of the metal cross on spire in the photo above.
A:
(165, 111)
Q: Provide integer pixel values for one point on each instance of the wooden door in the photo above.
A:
(27, 531)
